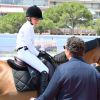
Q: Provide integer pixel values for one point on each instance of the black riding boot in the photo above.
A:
(43, 81)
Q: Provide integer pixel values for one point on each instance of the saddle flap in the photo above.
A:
(25, 78)
(24, 81)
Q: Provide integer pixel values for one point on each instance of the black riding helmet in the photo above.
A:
(34, 11)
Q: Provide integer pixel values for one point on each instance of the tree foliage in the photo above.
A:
(68, 15)
(44, 26)
(96, 26)
(11, 23)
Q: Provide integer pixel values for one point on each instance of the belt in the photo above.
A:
(25, 48)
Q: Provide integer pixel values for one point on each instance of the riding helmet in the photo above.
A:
(34, 11)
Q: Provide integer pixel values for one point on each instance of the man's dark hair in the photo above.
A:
(76, 46)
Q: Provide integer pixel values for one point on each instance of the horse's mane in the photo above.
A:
(92, 44)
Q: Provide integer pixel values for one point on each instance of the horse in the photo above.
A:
(91, 55)
(9, 90)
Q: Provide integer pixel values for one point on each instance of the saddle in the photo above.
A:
(26, 78)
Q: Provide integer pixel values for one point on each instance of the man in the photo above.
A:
(75, 79)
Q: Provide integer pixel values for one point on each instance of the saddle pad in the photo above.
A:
(22, 81)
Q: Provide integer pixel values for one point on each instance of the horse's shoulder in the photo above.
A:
(3, 62)
(4, 65)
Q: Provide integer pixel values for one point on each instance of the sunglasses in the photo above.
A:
(64, 47)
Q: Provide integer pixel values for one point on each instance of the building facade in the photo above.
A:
(20, 5)
(92, 5)
(6, 5)
(25, 2)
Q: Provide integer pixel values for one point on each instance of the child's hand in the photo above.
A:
(32, 98)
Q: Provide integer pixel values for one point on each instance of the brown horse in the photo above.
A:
(8, 89)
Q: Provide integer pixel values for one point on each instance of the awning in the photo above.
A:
(10, 9)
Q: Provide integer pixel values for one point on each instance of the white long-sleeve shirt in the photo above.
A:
(25, 37)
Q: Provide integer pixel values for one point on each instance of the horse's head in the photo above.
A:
(92, 53)
(92, 44)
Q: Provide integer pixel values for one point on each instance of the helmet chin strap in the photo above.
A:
(29, 19)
